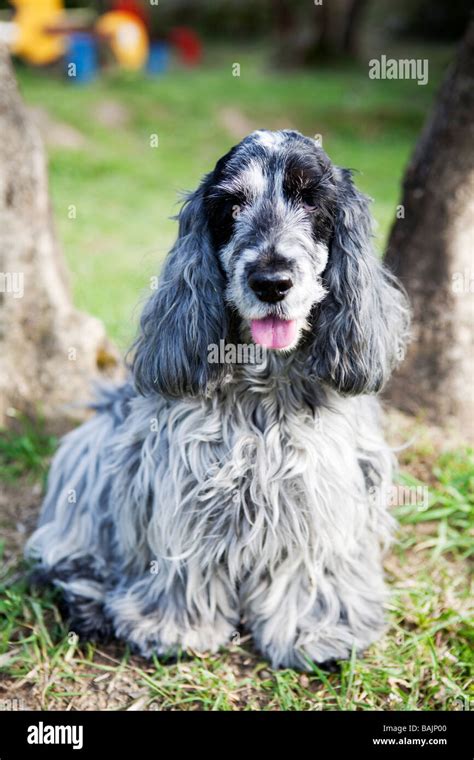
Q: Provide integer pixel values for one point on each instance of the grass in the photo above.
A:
(26, 452)
(450, 506)
(424, 662)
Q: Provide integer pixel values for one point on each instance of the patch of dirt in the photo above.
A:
(19, 508)
(238, 125)
(56, 134)
(111, 113)
(418, 444)
(123, 687)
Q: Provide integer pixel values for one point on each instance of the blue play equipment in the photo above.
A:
(81, 59)
(158, 58)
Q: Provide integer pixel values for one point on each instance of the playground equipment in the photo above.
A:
(42, 32)
(32, 39)
(128, 38)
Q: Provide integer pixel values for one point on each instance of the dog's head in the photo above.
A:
(275, 242)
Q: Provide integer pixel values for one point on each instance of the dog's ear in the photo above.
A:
(361, 326)
(186, 313)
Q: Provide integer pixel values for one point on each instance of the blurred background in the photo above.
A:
(153, 103)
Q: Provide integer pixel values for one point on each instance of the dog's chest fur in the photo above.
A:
(248, 474)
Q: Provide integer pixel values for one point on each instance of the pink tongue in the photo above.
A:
(272, 332)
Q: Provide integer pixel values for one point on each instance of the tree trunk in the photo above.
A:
(431, 249)
(350, 39)
(341, 21)
(310, 35)
(49, 352)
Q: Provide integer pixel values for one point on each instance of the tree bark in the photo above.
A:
(431, 249)
(49, 352)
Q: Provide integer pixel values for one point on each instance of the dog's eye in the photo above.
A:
(308, 199)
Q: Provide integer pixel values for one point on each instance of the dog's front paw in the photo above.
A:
(326, 646)
(167, 632)
(171, 640)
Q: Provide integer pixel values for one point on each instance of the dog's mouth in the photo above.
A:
(273, 332)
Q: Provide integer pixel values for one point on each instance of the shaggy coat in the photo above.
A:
(204, 495)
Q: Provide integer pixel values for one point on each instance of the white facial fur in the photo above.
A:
(289, 235)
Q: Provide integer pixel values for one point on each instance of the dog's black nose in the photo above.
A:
(270, 286)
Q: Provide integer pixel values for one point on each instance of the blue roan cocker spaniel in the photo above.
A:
(205, 495)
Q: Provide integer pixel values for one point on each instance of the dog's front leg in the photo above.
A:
(299, 616)
(177, 609)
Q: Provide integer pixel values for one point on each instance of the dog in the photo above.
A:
(203, 496)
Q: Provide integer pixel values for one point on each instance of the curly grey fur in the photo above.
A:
(363, 325)
(198, 498)
(186, 314)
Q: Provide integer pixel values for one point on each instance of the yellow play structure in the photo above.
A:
(33, 40)
(40, 28)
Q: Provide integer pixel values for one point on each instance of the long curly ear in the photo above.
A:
(361, 327)
(185, 315)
